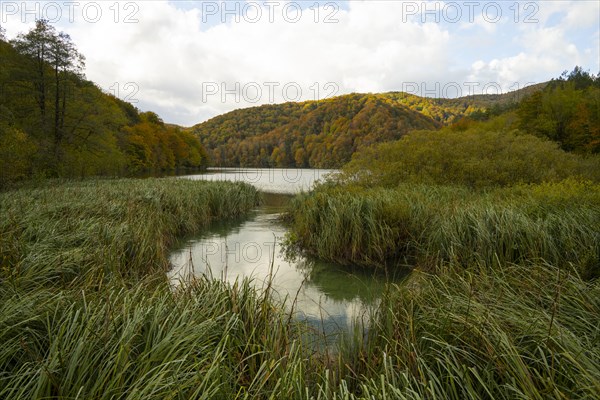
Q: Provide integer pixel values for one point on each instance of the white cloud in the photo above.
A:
(171, 54)
(545, 48)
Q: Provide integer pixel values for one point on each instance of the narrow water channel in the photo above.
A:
(330, 296)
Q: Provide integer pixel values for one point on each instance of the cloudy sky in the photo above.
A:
(191, 60)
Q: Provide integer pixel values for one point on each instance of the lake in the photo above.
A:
(328, 295)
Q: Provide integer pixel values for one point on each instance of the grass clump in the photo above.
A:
(92, 229)
(518, 330)
(424, 225)
(505, 333)
(207, 340)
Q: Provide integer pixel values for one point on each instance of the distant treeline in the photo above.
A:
(55, 123)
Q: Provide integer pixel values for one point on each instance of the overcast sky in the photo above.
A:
(192, 60)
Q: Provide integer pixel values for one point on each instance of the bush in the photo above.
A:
(412, 224)
(476, 157)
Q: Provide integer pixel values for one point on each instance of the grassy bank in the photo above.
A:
(514, 332)
(503, 302)
(108, 325)
(555, 223)
(92, 230)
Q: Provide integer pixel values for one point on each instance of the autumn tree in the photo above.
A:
(567, 112)
(152, 145)
(53, 64)
(53, 122)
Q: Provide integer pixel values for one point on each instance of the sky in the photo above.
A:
(189, 61)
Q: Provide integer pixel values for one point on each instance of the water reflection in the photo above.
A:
(327, 295)
(253, 248)
(270, 180)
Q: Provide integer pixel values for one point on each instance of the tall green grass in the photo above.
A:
(205, 341)
(555, 223)
(513, 332)
(111, 327)
(91, 230)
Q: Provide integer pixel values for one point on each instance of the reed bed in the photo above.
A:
(97, 229)
(513, 332)
(554, 223)
(110, 326)
(205, 341)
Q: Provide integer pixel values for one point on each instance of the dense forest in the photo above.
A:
(327, 133)
(567, 111)
(55, 123)
(317, 133)
(310, 134)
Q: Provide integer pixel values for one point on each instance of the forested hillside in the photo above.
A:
(326, 133)
(55, 123)
(311, 134)
(322, 133)
(567, 111)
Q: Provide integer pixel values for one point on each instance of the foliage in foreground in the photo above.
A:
(204, 341)
(97, 229)
(558, 223)
(516, 331)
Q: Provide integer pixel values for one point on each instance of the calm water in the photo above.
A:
(275, 180)
(329, 295)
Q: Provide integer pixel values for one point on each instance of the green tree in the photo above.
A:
(55, 123)
(53, 64)
(16, 154)
(483, 155)
(566, 111)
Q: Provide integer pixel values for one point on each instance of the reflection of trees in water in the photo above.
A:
(341, 283)
(276, 200)
(220, 229)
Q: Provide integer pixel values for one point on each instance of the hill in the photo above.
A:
(309, 134)
(325, 133)
(56, 123)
